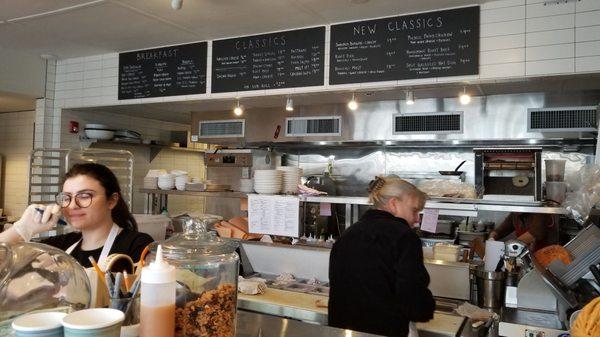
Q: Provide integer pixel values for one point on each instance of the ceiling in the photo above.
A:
(74, 28)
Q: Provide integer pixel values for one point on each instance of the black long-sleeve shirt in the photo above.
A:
(378, 282)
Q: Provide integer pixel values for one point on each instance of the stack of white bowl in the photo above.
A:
(180, 181)
(268, 181)
(246, 185)
(166, 181)
(291, 178)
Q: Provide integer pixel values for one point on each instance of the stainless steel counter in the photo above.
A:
(251, 324)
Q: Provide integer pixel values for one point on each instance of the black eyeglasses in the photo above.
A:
(82, 199)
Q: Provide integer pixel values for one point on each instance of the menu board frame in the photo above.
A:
(279, 60)
(433, 44)
(182, 70)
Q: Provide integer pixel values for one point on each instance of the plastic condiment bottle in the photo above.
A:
(157, 302)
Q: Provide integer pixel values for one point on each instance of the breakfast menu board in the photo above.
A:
(269, 61)
(274, 215)
(168, 71)
(433, 44)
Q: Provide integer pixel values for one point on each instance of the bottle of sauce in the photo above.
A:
(157, 302)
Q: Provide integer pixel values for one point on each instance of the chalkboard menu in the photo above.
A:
(168, 71)
(434, 44)
(269, 61)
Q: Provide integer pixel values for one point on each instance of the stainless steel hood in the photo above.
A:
(495, 118)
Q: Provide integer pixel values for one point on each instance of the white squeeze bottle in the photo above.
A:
(157, 302)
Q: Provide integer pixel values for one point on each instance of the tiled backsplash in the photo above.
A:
(16, 143)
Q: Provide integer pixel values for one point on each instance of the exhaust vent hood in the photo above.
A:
(583, 118)
(437, 122)
(313, 126)
(222, 128)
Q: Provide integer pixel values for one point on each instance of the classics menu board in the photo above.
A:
(168, 71)
(269, 61)
(434, 44)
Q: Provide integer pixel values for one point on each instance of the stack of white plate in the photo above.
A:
(180, 181)
(151, 182)
(291, 178)
(166, 181)
(246, 185)
(268, 181)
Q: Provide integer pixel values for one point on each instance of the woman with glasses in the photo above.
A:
(92, 203)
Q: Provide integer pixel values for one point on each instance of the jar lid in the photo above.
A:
(195, 243)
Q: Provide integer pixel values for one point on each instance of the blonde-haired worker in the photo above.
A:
(376, 273)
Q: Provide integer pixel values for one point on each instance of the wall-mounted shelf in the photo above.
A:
(221, 194)
(154, 148)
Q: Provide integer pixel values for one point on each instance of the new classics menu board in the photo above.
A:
(168, 71)
(269, 61)
(434, 44)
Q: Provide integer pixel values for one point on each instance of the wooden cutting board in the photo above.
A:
(441, 325)
(288, 299)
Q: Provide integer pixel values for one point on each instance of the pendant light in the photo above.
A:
(353, 105)
(289, 104)
(464, 97)
(238, 110)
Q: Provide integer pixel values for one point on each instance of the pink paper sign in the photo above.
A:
(325, 209)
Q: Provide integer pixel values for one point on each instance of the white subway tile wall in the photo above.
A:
(16, 143)
(192, 162)
(518, 38)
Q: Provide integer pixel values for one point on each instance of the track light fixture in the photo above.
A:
(289, 104)
(464, 97)
(238, 110)
(353, 105)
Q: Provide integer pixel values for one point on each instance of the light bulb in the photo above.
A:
(464, 98)
(176, 4)
(352, 105)
(410, 98)
(289, 104)
(238, 110)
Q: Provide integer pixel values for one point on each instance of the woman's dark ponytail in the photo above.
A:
(120, 213)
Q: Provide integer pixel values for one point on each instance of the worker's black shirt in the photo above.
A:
(378, 282)
(127, 242)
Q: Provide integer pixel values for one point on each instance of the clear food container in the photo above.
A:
(207, 272)
(35, 276)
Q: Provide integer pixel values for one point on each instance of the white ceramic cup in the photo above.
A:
(97, 322)
(40, 324)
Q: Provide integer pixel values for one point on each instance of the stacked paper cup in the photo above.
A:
(268, 181)
(291, 178)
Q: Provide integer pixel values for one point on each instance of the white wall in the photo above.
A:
(519, 38)
(192, 162)
(16, 143)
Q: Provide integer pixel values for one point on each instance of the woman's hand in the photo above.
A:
(37, 219)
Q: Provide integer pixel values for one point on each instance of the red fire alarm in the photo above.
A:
(73, 127)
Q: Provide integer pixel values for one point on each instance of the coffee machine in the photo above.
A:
(509, 173)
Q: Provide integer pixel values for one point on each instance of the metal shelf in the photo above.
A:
(154, 148)
(466, 207)
(221, 194)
